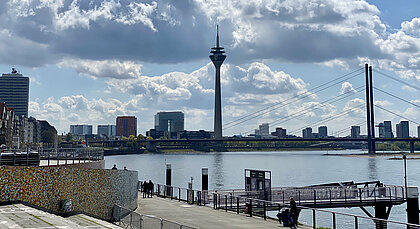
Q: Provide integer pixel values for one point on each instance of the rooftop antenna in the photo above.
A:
(217, 39)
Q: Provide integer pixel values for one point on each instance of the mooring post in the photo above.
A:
(204, 179)
(412, 205)
(204, 182)
(168, 179)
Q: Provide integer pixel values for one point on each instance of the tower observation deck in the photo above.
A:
(217, 57)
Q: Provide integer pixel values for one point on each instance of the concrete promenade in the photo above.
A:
(202, 217)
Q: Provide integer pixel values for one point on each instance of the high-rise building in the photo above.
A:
(80, 129)
(388, 129)
(355, 132)
(280, 133)
(403, 130)
(322, 131)
(14, 92)
(171, 122)
(264, 129)
(107, 130)
(217, 57)
(307, 132)
(126, 126)
(381, 129)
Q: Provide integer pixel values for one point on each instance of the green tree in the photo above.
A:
(69, 137)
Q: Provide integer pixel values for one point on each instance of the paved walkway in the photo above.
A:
(202, 217)
(20, 216)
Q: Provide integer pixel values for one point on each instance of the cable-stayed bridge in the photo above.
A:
(363, 78)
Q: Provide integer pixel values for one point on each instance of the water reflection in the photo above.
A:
(372, 169)
(218, 172)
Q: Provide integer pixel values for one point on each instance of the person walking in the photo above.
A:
(144, 189)
(151, 188)
(293, 212)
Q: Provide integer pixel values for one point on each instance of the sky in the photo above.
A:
(90, 61)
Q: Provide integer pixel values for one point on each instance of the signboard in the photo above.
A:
(258, 184)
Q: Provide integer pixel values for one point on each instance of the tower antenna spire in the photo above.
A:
(217, 38)
(217, 57)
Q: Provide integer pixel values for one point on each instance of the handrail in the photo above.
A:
(71, 154)
(120, 218)
(232, 202)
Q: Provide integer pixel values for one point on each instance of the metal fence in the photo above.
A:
(327, 196)
(65, 156)
(128, 219)
(308, 216)
(19, 158)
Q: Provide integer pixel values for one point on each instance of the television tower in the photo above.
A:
(217, 57)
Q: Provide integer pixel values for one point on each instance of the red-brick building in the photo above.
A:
(126, 126)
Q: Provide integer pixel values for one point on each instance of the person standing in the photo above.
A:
(144, 188)
(293, 211)
(151, 188)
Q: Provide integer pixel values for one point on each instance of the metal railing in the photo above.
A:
(66, 156)
(308, 216)
(327, 195)
(129, 219)
(19, 158)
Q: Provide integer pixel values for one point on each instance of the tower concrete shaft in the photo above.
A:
(217, 58)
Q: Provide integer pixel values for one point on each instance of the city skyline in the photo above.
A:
(77, 80)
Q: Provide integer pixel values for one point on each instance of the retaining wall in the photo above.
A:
(93, 191)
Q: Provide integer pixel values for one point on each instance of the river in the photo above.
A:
(289, 168)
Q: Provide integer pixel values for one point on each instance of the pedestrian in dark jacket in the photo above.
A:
(144, 189)
(293, 211)
(151, 188)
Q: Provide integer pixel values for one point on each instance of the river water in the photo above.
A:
(288, 168)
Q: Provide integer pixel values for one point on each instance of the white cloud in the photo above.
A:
(411, 27)
(336, 62)
(196, 89)
(139, 12)
(347, 87)
(104, 68)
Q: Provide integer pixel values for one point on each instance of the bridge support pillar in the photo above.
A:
(381, 212)
(412, 205)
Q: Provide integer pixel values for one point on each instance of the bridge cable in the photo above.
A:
(329, 118)
(313, 108)
(322, 104)
(397, 97)
(349, 128)
(396, 114)
(311, 91)
(398, 80)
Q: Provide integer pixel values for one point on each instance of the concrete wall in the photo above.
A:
(93, 191)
